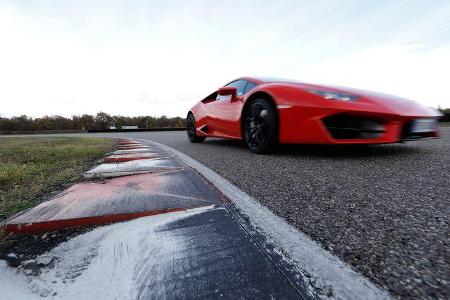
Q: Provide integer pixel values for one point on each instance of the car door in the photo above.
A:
(223, 114)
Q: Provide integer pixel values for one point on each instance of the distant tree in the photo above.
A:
(44, 123)
(162, 122)
(23, 123)
(62, 123)
(6, 124)
(142, 122)
(446, 113)
(87, 122)
(102, 119)
(179, 122)
(149, 122)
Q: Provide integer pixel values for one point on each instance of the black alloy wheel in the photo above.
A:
(191, 130)
(261, 126)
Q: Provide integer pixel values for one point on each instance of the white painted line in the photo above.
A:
(321, 268)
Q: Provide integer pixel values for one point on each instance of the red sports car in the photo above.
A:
(266, 111)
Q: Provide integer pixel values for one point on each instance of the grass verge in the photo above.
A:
(33, 168)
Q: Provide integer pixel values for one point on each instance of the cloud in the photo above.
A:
(161, 57)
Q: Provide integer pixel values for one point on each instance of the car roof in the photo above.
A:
(267, 79)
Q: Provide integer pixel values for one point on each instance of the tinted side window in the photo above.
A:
(240, 86)
(250, 86)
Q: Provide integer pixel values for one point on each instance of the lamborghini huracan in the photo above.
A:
(267, 111)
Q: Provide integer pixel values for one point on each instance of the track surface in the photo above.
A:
(382, 209)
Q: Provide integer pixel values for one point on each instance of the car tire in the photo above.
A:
(261, 126)
(191, 130)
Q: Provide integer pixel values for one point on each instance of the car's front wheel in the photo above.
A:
(191, 130)
(261, 126)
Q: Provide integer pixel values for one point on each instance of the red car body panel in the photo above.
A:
(301, 113)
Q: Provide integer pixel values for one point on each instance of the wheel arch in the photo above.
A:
(250, 99)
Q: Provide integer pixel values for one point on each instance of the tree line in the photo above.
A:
(100, 121)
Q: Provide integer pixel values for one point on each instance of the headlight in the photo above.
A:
(334, 96)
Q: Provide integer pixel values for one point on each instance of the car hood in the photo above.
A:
(394, 104)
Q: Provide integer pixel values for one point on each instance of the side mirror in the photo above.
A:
(228, 91)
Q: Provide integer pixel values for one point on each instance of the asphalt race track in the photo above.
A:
(383, 209)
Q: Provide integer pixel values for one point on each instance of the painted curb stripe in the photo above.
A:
(131, 147)
(129, 143)
(47, 226)
(112, 174)
(123, 159)
(131, 151)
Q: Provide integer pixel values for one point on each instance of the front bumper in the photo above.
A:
(303, 125)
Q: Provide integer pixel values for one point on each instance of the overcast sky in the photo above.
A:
(160, 57)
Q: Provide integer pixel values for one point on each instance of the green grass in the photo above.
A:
(32, 168)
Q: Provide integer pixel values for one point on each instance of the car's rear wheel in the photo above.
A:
(191, 130)
(261, 126)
